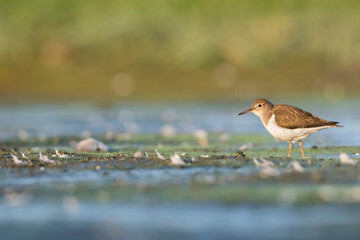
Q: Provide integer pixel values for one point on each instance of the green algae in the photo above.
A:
(227, 175)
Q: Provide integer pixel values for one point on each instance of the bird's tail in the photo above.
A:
(335, 124)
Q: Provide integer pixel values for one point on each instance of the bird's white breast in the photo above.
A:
(286, 134)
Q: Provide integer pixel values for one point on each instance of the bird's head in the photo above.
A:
(259, 107)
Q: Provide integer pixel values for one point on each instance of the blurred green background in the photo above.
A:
(108, 50)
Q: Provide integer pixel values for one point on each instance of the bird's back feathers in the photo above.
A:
(291, 117)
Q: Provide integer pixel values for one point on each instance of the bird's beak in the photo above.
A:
(246, 111)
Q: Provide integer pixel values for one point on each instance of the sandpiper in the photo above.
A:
(288, 123)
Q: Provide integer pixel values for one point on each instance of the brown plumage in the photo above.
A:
(291, 117)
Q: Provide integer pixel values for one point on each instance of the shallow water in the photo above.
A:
(205, 202)
(145, 118)
(156, 204)
(127, 221)
(129, 177)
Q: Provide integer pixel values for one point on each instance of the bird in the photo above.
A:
(288, 123)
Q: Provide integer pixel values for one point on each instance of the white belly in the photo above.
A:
(292, 135)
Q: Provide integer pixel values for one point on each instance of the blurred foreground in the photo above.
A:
(216, 193)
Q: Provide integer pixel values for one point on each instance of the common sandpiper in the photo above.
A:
(288, 123)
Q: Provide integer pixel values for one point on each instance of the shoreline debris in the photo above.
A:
(44, 158)
(59, 155)
(17, 161)
(159, 155)
(91, 145)
(296, 166)
(344, 159)
(263, 162)
(176, 160)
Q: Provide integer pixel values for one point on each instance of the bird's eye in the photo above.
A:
(259, 105)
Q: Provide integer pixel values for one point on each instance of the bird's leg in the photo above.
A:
(290, 148)
(302, 149)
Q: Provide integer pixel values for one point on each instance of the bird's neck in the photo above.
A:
(265, 117)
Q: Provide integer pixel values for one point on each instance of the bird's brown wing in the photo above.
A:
(291, 117)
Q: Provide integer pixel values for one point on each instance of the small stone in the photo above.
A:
(139, 154)
(176, 160)
(91, 145)
(344, 159)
